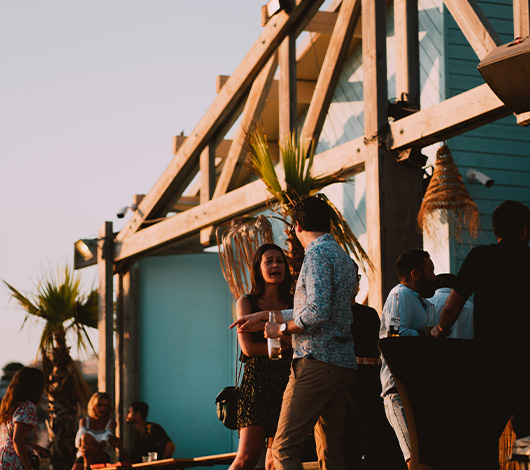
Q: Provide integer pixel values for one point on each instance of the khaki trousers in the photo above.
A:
(315, 398)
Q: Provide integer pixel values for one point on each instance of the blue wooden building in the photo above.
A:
(330, 69)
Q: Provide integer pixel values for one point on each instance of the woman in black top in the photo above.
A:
(264, 380)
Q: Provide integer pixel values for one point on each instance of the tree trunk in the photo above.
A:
(63, 403)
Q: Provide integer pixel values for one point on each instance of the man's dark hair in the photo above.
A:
(409, 260)
(140, 407)
(446, 280)
(509, 219)
(313, 214)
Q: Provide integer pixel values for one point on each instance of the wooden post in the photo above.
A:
(207, 184)
(287, 86)
(106, 309)
(521, 29)
(407, 50)
(393, 191)
(521, 18)
(127, 381)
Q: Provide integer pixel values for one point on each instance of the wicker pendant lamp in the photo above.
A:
(448, 200)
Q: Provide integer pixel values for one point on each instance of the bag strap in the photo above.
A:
(238, 369)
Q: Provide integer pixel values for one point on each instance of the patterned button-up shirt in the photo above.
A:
(322, 299)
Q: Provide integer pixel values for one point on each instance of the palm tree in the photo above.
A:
(60, 302)
(297, 163)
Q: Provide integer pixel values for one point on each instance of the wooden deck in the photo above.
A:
(173, 464)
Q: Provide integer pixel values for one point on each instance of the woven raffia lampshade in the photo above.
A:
(447, 200)
(237, 246)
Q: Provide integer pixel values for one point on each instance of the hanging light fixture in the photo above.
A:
(447, 200)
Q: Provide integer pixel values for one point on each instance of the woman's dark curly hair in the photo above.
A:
(26, 385)
(256, 278)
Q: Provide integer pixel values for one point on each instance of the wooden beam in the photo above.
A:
(521, 29)
(269, 10)
(181, 170)
(464, 112)
(106, 376)
(475, 26)
(374, 88)
(331, 68)
(207, 185)
(186, 202)
(456, 115)
(348, 156)
(221, 151)
(393, 190)
(304, 89)
(127, 389)
(407, 50)
(323, 22)
(207, 173)
(521, 18)
(253, 107)
(287, 86)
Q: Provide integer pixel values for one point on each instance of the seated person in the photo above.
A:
(95, 432)
(151, 438)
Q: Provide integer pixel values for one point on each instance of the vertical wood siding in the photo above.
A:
(501, 149)
(345, 117)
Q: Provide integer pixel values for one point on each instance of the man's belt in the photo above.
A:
(369, 361)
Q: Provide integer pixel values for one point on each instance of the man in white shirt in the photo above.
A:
(407, 303)
(463, 327)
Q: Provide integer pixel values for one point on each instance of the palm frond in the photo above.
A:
(261, 163)
(24, 301)
(344, 235)
(58, 300)
(297, 163)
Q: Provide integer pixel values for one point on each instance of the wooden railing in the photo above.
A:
(172, 464)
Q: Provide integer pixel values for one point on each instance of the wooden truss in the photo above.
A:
(207, 183)
(225, 188)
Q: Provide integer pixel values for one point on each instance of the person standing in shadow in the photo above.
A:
(499, 277)
(380, 449)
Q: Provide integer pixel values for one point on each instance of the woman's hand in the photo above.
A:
(254, 321)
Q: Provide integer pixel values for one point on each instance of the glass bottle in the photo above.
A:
(274, 344)
(393, 324)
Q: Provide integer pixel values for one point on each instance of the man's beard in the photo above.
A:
(425, 288)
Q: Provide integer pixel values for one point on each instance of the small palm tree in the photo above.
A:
(297, 163)
(60, 302)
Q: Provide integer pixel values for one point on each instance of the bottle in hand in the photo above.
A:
(393, 324)
(274, 345)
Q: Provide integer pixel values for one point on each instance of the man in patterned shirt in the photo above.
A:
(323, 359)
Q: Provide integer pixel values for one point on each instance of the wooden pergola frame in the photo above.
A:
(393, 190)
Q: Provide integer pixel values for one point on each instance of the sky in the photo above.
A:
(91, 95)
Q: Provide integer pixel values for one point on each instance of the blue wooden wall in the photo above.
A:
(186, 352)
(501, 149)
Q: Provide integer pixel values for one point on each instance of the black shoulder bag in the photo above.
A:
(227, 399)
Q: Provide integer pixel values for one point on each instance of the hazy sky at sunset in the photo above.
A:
(91, 95)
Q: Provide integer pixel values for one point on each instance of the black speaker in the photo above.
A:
(506, 70)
